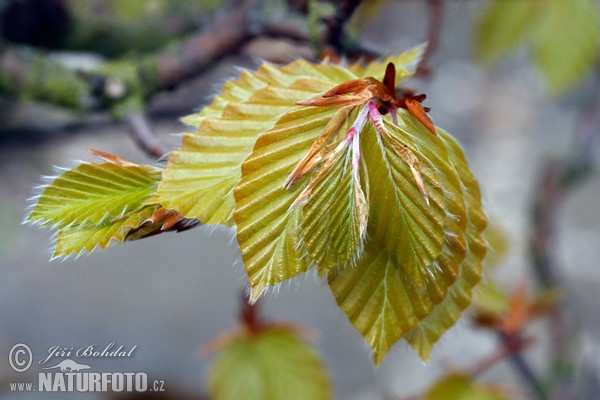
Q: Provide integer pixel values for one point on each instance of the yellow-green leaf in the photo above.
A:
(274, 364)
(93, 193)
(74, 239)
(564, 36)
(332, 228)
(458, 386)
(267, 224)
(445, 314)
(502, 26)
(200, 177)
(382, 295)
(566, 44)
(97, 204)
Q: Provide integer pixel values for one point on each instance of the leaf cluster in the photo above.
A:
(385, 208)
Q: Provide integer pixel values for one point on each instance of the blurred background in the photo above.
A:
(532, 145)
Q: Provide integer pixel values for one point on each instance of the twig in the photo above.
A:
(27, 73)
(435, 10)
(226, 34)
(144, 136)
(509, 347)
(513, 345)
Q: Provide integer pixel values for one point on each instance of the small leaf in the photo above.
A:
(335, 215)
(273, 364)
(86, 236)
(143, 222)
(458, 386)
(93, 193)
(567, 54)
(97, 204)
(502, 26)
(564, 36)
(509, 313)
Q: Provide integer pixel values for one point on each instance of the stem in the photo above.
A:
(509, 347)
(249, 314)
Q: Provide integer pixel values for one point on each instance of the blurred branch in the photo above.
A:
(557, 178)
(31, 75)
(512, 346)
(145, 136)
(335, 34)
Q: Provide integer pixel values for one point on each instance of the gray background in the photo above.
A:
(172, 293)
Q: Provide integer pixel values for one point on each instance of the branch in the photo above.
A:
(29, 74)
(512, 346)
(557, 178)
(144, 135)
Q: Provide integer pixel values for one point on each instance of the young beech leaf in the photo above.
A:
(143, 222)
(447, 312)
(270, 364)
(93, 193)
(199, 178)
(95, 204)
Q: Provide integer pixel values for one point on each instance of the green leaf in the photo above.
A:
(97, 204)
(93, 193)
(564, 37)
(199, 179)
(398, 212)
(567, 42)
(387, 296)
(445, 314)
(502, 26)
(267, 224)
(335, 216)
(459, 386)
(86, 236)
(274, 364)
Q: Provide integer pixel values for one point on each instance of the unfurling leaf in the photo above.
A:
(273, 363)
